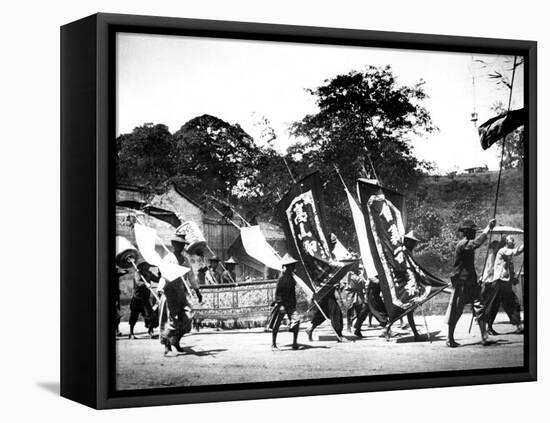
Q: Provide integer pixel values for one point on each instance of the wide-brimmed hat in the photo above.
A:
(230, 260)
(468, 224)
(179, 238)
(288, 259)
(412, 236)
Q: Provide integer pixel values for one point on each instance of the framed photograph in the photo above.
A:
(258, 211)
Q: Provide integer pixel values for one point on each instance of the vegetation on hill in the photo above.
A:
(439, 204)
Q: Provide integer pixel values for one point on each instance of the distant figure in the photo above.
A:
(141, 298)
(285, 304)
(228, 275)
(213, 276)
(464, 279)
(505, 277)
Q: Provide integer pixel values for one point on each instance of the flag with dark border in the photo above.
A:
(301, 214)
(404, 284)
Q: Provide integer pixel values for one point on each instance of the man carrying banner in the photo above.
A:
(410, 241)
(356, 288)
(175, 313)
(141, 298)
(285, 303)
(228, 275)
(301, 215)
(464, 280)
(504, 278)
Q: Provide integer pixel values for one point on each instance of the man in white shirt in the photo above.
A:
(505, 277)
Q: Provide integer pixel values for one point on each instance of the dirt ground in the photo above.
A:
(217, 357)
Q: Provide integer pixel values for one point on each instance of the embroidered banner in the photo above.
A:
(404, 284)
(301, 215)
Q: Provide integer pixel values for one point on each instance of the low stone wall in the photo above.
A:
(243, 305)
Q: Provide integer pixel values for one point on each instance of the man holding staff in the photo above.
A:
(464, 279)
(285, 304)
(140, 303)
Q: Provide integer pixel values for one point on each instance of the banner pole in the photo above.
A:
(147, 284)
(472, 319)
(412, 308)
(426, 323)
(221, 264)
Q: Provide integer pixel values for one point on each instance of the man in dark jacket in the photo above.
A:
(141, 298)
(285, 303)
(356, 287)
(228, 275)
(176, 313)
(464, 279)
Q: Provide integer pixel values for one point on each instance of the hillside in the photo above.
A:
(454, 198)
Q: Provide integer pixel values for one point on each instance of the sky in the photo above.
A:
(172, 79)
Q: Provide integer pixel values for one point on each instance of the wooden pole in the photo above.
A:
(426, 323)
(498, 179)
(169, 252)
(147, 284)
(221, 264)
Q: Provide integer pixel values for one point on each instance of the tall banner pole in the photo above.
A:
(426, 323)
(498, 179)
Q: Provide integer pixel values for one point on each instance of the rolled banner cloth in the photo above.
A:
(193, 235)
(125, 252)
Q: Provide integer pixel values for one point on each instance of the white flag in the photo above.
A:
(361, 229)
(146, 240)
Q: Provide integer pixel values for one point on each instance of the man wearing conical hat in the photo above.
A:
(285, 303)
(464, 279)
(228, 274)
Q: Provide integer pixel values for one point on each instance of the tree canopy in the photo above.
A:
(363, 127)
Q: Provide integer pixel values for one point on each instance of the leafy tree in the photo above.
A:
(514, 153)
(363, 118)
(145, 156)
(212, 151)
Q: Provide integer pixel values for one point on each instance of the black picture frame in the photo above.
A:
(87, 207)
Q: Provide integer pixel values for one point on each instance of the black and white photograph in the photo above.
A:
(290, 211)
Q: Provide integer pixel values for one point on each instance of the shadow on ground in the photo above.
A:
(51, 387)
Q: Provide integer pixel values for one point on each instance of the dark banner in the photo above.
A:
(300, 213)
(368, 187)
(500, 126)
(404, 284)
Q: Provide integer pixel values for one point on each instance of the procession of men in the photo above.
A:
(355, 296)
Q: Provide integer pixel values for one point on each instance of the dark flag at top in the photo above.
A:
(500, 126)
(300, 212)
(404, 284)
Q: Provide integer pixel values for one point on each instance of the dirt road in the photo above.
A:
(213, 357)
